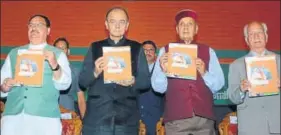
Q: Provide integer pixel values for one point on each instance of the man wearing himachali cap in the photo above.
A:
(189, 103)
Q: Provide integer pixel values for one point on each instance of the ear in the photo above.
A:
(246, 40)
(127, 26)
(106, 24)
(196, 29)
(266, 37)
(48, 31)
(177, 29)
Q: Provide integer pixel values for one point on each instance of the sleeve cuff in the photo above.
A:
(242, 95)
(3, 95)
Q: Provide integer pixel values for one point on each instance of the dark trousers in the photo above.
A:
(151, 106)
(109, 130)
(190, 126)
(150, 124)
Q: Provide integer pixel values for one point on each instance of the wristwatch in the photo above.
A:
(57, 68)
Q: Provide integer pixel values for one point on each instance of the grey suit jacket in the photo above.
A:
(258, 115)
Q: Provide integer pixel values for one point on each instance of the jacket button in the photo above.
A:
(24, 96)
(26, 88)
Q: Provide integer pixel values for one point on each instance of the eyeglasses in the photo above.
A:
(149, 50)
(62, 48)
(114, 22)
(36, 25)
(253, 33)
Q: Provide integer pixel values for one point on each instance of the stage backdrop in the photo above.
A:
(220, 25)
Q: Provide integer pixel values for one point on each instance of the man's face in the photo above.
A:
(186, 28)
(256, 36)
(62, 45)
(149, 53)
(117, 23)
(37, 30)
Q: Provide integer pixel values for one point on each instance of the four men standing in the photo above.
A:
(116, 108)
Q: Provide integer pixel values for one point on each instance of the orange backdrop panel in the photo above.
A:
(220, 23)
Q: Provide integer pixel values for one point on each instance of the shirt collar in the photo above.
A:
(252, 53)
(182, 41)
(120, 42)
(38, 46)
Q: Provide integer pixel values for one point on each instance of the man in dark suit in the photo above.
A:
(151, 104)
(112, 108)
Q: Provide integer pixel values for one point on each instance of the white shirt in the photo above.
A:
(150, 66)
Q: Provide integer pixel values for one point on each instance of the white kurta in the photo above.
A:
(25, 124)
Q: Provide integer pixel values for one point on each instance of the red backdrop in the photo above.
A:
(220, 23)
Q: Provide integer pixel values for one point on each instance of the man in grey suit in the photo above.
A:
(257, 115)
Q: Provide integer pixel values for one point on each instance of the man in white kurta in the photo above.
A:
(35, 110)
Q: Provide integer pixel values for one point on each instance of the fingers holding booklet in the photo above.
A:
(51, 58)
(126, 82)
(8, 83)
(200, 66)
(245, 85)
(99, 66)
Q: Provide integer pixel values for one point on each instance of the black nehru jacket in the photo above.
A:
(113, 104)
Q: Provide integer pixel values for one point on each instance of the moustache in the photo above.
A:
(34, 31)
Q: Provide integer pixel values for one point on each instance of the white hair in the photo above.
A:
(264, 26)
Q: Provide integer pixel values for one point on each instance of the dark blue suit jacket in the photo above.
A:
(151, 106)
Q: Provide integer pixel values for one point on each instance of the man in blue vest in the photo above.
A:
(67, 97)
(151, 104)
(35, 110)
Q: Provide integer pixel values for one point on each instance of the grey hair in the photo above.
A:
(264, 26)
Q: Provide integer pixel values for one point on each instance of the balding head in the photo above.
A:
(117, 23)
(117, 9)
(255, 24)
(256, 34)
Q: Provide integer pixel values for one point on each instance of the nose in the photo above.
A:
(117, 25)
(256, 35)
(33, 27)
(185, 26)
(146, 52)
